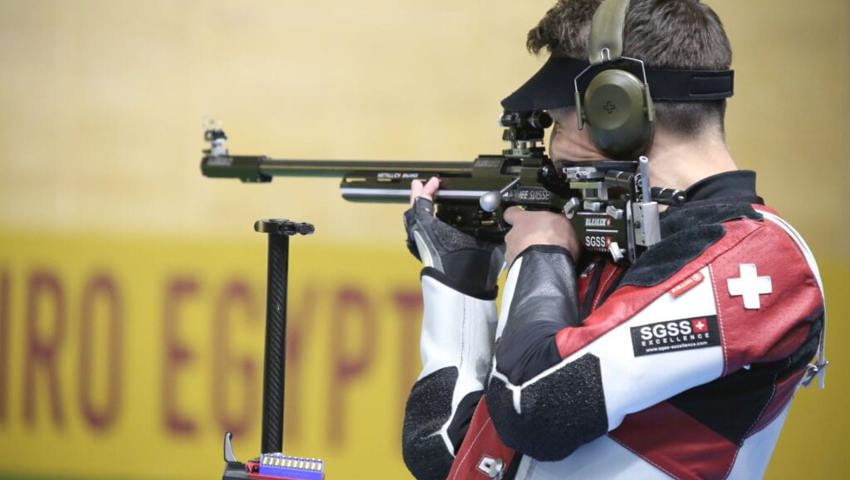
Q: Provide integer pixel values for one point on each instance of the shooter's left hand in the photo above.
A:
(469, 265)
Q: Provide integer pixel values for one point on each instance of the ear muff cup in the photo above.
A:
(617, 114)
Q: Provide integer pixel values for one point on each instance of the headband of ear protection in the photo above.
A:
(616, 107)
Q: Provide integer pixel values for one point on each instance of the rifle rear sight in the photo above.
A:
(524, 130)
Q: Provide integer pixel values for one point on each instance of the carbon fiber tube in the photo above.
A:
(274, 363)
(274, 370)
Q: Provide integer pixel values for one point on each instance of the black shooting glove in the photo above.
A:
(462, 262)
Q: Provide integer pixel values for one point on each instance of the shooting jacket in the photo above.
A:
(682, 365)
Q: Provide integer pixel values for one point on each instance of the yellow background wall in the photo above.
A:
(131, 288)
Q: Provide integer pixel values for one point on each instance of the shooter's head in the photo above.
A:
(667, 35)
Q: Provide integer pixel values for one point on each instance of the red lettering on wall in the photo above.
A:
(352, 310)
(101, 288)
(43, 348)
(5, 345)
(177, 355)
(227, 366)
(299, 322)
(409, 304)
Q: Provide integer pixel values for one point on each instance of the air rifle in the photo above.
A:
(610, 203)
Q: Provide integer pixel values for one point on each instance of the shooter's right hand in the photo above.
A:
(467, 264)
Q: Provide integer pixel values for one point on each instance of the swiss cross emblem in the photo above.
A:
(750, 286)
(699, 325)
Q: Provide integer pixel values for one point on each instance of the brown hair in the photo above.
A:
(663, 33)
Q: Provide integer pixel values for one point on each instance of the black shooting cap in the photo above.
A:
(552, 86)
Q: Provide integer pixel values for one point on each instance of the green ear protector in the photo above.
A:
(616, 107)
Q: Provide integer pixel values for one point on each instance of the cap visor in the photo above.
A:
(551, 87)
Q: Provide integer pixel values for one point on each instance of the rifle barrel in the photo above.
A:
(261, 169)
(339, 168)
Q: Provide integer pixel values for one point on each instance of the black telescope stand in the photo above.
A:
(274, 363)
